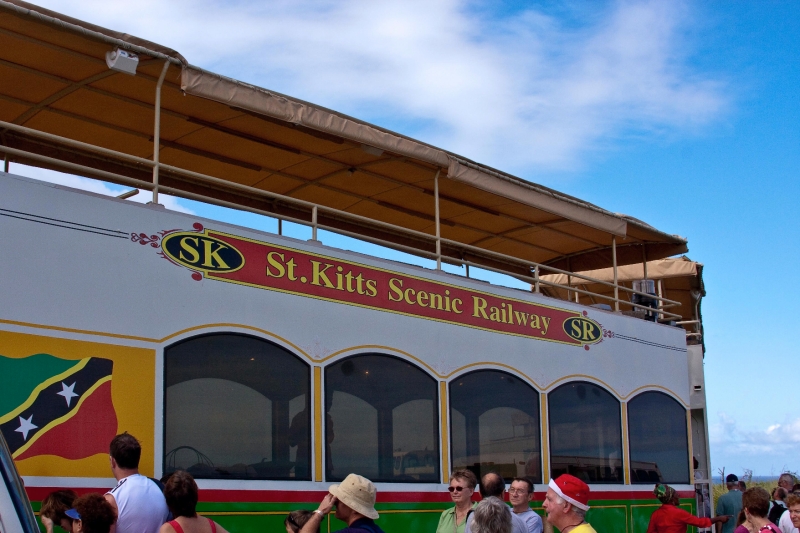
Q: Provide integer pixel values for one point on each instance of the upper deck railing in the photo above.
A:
(620, 300)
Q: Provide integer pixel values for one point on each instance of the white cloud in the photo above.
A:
(767, 450)
(96, 186)
(522, 92)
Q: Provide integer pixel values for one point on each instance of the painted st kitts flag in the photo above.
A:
(53, 406)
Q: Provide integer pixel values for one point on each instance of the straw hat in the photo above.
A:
(358, 493)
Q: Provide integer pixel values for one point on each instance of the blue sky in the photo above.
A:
(682, 114)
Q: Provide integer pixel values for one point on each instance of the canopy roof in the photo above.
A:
(681, 280)
(55, 80)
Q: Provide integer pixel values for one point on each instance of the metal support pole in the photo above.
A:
(644, 260)
(660, 303)
(5, 164)
(157, 131)
(536, 287)
(280, 227)
(614, 262)
(467, 270)
(438, 231)
(314, 223)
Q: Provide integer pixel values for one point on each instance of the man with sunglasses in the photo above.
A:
(520, 493)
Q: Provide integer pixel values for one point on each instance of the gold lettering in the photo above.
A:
(318, 275)
(588, 331)
(291, 264)
(456, 303)
(211, 254)
(422, 299)
(195, 255)
(406, 296)
(277, 265)
(495, 315)
(522, 318)
(479, 307)
(576, 329)
(546, 322)
(372, 288)
(436, 301)
(534, 321)
(396, 287)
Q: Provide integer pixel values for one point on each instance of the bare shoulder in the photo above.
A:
(110, 499)
(166, 528)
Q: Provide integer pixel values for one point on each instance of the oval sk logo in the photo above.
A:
(583, 330)
(202, 252)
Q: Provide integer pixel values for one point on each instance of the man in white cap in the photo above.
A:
(566, 504)
(354, 499)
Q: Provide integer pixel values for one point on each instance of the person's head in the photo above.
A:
(180, 492)
(792, 502)
(786, 481)
(462, 486)
(666, 494)
(566, 502)
(742, 486)
(520, 492)
(732, 482)
(491, 516)
(778, 494)
(125, 452)
(755, 502)
(55, 506)
(492, 484)
(356, 498)
(91, 513)
(741, 518)
(296, 520)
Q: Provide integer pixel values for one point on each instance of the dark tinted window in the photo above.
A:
(236, 407)
(658, 439)
(585, 433)
(494, 420)
(384, 418)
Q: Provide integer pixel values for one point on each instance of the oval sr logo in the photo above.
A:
(583, 330)
(202, 252)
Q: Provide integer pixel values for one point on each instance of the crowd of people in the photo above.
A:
(138, 504)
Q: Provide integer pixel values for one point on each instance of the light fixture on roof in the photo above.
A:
(122, 61)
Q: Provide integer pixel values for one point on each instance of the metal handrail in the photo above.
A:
(535, 278)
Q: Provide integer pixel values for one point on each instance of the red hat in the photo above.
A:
(572, 489)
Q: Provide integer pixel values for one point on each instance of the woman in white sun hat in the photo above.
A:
(354, 500)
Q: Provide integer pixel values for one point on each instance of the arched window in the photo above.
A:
(236, 407)
(494, 420)
(382, 420)
(658, 439)
(585, 433)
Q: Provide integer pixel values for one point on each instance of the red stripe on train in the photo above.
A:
(305, 496)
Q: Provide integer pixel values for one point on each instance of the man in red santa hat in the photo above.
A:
(566, 504)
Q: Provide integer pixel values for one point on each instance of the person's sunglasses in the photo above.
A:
(457, 488)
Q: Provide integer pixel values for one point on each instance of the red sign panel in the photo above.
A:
(229, 258)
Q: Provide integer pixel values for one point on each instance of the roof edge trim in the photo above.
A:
(544, 199)
(198, 82)
(91, 31)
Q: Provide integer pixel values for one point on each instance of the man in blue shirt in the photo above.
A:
(729, 504)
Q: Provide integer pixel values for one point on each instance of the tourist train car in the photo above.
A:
(271, 366)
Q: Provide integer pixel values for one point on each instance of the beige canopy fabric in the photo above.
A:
(680, 278)
(55, 80)
(660, 269)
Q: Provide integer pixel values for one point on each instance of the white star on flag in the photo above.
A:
(25, 426)
(67, 392)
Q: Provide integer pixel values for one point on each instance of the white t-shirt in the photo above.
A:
(785, 524)
(532, 520)
(141, 507)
